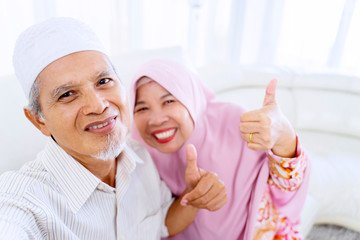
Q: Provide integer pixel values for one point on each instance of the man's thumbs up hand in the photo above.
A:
(192, 172)
(204, 189)
(267, 128)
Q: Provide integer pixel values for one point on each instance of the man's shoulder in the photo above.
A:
(19, 194)
(140, 154)
(134, 145)
(139, 150)
(20, 181)
(146, 171)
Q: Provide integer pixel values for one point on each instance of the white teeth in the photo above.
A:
(166, 134)
(99, 126)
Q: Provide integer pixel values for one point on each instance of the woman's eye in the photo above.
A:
(141, 109)
(104, 81)
(65, 95)
(169, 101)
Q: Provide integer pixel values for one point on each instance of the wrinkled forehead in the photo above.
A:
(76, 67)
(91, 61)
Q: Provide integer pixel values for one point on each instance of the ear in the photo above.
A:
(37, 122)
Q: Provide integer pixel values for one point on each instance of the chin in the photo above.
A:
(113, 147)
(168, 149)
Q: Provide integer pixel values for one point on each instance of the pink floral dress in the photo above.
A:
(287, 175)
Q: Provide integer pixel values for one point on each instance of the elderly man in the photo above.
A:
(90, 181)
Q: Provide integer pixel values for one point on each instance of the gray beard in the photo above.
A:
(114, 146)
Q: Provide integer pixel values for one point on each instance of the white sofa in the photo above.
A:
(323, 107)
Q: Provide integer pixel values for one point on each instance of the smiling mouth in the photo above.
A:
(164, 136)
(100, 125)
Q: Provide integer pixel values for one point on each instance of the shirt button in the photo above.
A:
(101, 188)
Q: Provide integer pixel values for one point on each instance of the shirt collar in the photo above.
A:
(66, 170)
(126, 164)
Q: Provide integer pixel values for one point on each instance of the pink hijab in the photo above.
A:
(221, 150)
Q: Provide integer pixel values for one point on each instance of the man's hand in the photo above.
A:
(267, 128)
(204, 189)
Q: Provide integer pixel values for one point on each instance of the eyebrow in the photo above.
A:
(67, 86)
(104, 73)
(62, 88)
(166, 95)
(162, 97)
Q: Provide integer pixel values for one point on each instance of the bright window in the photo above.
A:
(305, 34)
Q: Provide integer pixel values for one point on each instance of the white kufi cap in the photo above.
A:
(43, 43)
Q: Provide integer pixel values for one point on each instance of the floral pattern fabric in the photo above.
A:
(287, 175)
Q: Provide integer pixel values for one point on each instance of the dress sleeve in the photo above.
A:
(287, 173)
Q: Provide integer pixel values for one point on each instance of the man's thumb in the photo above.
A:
(270, 92)
(192, 173)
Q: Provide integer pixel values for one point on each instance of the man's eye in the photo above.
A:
(104, 81)
(65, 95)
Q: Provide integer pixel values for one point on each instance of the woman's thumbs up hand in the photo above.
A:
(268, 128)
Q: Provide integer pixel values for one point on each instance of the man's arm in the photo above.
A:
(179, 217)
(12, 231)
(17, 220)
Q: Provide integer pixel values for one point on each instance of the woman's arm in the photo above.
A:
(287, 174)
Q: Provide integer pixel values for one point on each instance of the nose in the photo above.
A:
(157, 117)
(94, 103)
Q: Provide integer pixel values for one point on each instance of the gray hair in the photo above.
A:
(34, 104)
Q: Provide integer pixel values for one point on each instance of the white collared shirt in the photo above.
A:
(55, 197)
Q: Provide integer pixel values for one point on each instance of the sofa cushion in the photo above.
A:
(334, 184)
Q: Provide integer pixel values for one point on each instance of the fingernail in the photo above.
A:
(184, 202)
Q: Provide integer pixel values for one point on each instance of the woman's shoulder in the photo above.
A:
(226, 111)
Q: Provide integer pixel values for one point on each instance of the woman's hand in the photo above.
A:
(203, 189)
(267, 128)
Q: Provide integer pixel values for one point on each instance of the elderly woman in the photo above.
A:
(256, 154)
